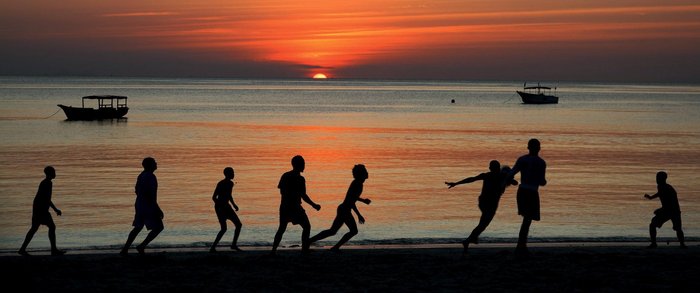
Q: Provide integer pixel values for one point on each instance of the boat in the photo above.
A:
(108, 107)
(538, 95)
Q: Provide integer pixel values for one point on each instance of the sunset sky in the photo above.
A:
(596, 40)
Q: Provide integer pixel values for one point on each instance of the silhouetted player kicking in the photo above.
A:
(491, 191)
(147, 212)
(293, 189)
(344, 215)
(223, 195)
(670, 210)
(532, 170)
(41, 215)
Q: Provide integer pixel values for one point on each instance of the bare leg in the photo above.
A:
(306, 226)
(278, 236)
(484, 222)
(52, 240)
(522, 238)
(130, 239)
(337, 223)
(152, 235)
(350, 222)
(27, 239)
(236, 233)
(681, 238)
(652, 235)
(218, 236)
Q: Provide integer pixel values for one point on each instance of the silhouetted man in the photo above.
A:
(532, 175)
(670, 210)
(147, 211)
(223, 200)
(344, 215)
(493, 187)
(293, 189)
(41, 214)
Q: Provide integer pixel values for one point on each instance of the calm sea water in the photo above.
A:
(603, 144)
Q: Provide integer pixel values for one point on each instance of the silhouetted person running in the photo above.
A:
(293, 189)
(223, 195)
(670, 210)
(148, 213)
(532, 175)
(494, 185)
(344, 215)
(41, 214)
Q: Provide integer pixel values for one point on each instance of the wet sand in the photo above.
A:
(551, 267)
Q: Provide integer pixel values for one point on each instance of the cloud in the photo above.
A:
(140, 14)
(360, 39)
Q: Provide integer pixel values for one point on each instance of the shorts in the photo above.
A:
(225, 212)
(150, 221)
(42, 218)
(296, 215)
(529, 203)
(488, 204)
(661, 217)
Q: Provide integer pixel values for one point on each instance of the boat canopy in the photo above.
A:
(105, 97)
(107, 101)
(538, 87)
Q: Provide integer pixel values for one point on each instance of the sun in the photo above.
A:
(320, 76)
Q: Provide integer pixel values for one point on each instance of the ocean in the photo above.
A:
(603, 144)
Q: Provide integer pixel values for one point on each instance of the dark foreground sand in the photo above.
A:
(551, 268)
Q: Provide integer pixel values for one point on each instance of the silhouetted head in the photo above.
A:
(494, 166)
(50, 172)
(534, 146)
(298, 163)
(228, 172)
(360, 172)
(661, 177)
(149, 164)
(505, 170)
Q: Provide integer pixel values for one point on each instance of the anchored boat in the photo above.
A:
(108, 107)
(538, 95)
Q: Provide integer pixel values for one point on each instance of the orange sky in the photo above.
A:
(354, 39)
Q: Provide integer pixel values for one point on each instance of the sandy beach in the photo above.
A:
(552, 267)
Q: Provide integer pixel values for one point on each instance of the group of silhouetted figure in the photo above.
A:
(292, 186)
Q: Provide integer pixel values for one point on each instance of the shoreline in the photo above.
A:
(620, 267)
(357, 247)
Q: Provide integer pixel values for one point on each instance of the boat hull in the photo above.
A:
(529, 98)
(75, 113)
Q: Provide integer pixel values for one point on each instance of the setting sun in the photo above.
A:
(320, 76)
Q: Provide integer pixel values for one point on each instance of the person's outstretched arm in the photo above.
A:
(364, 200)
(513, 182)
(465, 180)
(655, 195)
